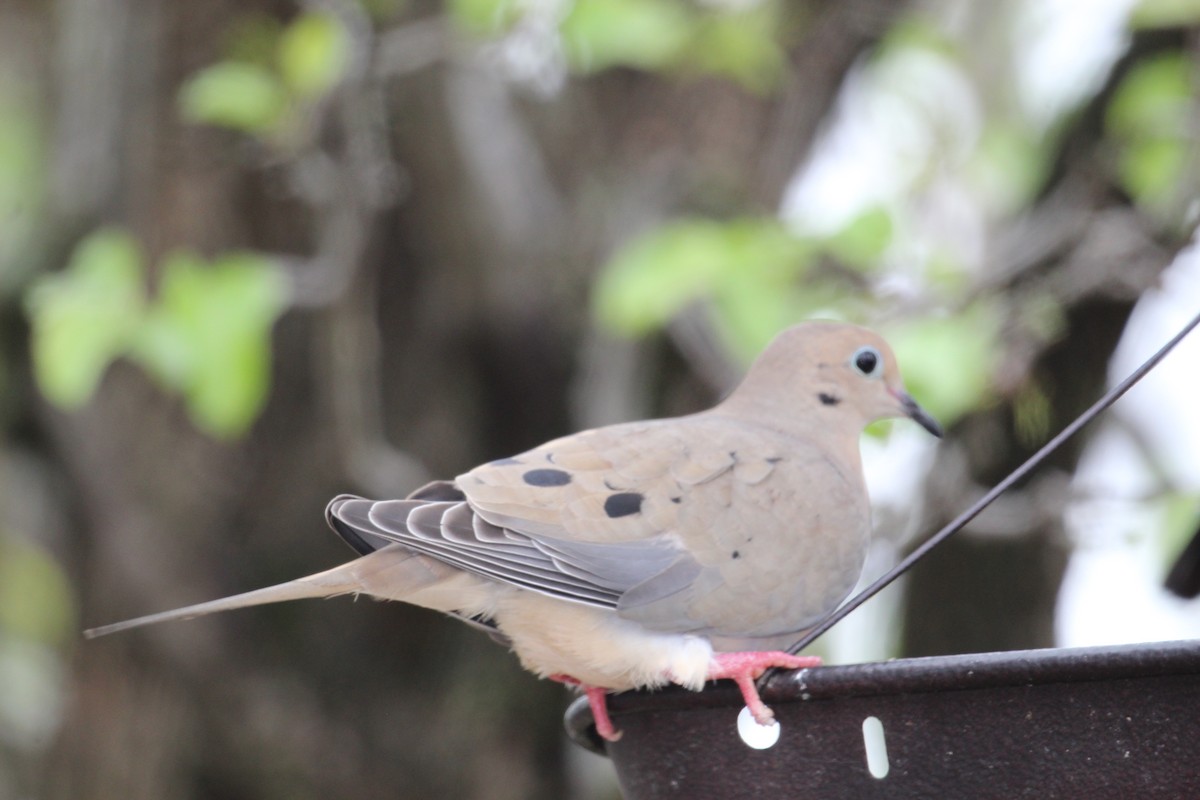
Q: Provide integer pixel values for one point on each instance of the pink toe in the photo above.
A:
(744, 668)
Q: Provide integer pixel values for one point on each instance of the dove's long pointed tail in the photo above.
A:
(391, 573)
(292, 590)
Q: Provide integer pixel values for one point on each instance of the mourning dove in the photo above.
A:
(674, 550)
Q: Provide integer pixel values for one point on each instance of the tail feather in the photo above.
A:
(390, 573)
(292, 590)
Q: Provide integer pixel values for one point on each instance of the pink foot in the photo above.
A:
(598, 701)
(745, 668)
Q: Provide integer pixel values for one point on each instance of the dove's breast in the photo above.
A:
(778, 549)
(775, 556)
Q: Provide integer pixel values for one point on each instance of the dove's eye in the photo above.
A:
(867, 361)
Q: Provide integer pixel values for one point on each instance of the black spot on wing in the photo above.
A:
(547, 477)
(828, 399)
(623, 504)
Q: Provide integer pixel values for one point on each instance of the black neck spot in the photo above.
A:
(828, 399)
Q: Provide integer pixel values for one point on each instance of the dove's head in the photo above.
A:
(828, 374)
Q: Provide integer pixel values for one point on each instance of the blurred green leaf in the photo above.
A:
(740, 45)
(35, 597)
(235, 371)
(209, 336)
(917, 32)
(84, 317)
(1153, 99)
(235, 95)
(654, 277)
(1151, 170)
(312, 54)
(761, 290)
(647, 34)
(1008, 166)
(1165, 14)
(862, 242)
(658, 275)
(737, 41)
(165, 345)
(948, 362)
(748, 313)
(484, 17)
(1150, 115)
(749, 310)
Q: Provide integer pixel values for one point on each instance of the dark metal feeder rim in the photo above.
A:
(908, 676)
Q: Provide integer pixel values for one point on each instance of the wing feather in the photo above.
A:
(592, 518)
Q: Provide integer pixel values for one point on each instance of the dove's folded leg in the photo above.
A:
(745, 668)
(742, 668)
(598, 702)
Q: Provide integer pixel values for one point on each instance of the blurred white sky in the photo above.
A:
(877, 147)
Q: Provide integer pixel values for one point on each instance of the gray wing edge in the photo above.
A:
(438, 522)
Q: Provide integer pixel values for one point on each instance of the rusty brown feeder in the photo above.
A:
(1103, 722)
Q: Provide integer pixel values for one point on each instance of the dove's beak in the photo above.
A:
(916, 413)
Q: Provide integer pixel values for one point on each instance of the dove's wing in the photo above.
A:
(643, 518)
(769, 527)
(453, 533)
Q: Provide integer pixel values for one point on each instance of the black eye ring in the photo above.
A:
(867, 361)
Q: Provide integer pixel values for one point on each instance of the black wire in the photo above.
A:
(983, 502)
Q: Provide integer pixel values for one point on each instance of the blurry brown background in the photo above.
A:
(441, 202)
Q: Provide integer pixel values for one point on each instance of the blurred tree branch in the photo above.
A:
(1088, 253)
